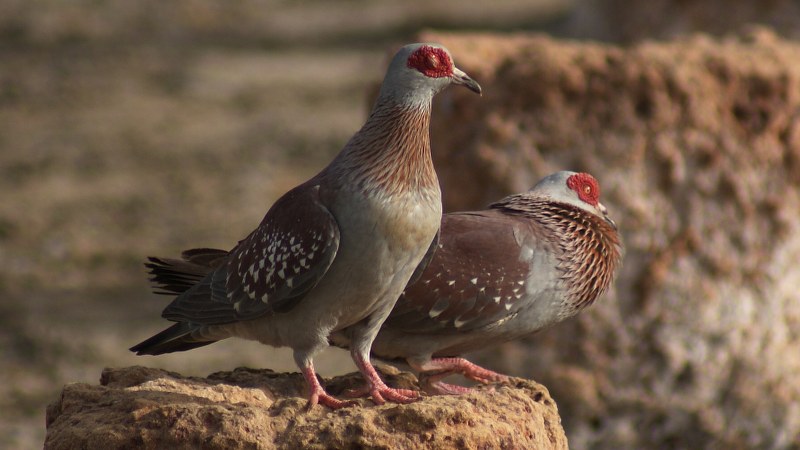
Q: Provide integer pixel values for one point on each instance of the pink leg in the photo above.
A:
(442, 388)
(379, 391)
(431, 372)
(464, 367)
(318, 394)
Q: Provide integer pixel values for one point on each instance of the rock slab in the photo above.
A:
(144, 408)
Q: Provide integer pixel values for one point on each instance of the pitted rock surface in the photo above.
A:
(138, 407)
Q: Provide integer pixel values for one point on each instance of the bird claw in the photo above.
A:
(492, 377)
(430, 381)
(445, 366)
(481, 375)
(377, 389)
(439, 369)
(380, 394)
(318, 394)
(441, 388)
(323, 398)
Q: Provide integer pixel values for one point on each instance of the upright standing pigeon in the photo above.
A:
(529, 261)
(336, 251)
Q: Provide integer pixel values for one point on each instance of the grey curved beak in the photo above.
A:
(602, 208)
(459, 77)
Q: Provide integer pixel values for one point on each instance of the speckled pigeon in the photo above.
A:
(333, 253)
(528, 261)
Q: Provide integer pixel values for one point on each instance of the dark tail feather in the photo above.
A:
(206, 257)
(175, 276)
(177, 338)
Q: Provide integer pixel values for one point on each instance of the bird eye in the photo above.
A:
(587, 189)
(432, 62)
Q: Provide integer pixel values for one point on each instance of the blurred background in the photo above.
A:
(144, 128)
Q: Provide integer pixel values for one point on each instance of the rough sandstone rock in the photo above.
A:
(696, 143)
(624, 20)
(141, 408)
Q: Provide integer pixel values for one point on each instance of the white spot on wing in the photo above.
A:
(474, 281)
(434, 314)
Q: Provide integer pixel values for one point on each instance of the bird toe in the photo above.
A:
(381, 394)
(323, 398)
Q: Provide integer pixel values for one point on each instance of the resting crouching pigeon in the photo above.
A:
(528, 261)
(335, 252)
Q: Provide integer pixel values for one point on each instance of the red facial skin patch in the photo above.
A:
(431, 62)
(586, 187)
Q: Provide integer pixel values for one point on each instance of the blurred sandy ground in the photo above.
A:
(144, 128)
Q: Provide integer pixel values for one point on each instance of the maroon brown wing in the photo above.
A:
(269, 271)
(476, 276)
(427, 258)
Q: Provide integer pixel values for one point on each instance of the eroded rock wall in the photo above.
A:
(696, 144)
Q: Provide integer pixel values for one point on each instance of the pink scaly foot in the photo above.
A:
(467, 369)
(378, 390)
(366, 391)
(318, 394)
(431, 373)
(432, 384)
(442, 388)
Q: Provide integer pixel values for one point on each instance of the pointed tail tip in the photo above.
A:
(140, 349)
(176, 338)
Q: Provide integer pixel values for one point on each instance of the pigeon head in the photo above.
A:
(578, 189)
(418, 71)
